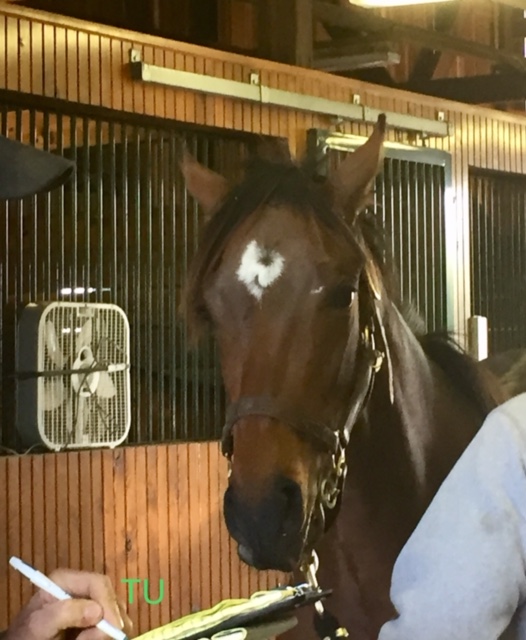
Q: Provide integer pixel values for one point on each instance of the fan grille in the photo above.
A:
(68, 418)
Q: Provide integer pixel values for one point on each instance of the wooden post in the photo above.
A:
(285, 31)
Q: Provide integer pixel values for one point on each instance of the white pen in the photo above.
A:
(47, 585)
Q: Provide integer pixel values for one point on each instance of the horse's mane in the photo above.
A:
(477, 384)
(281, 181)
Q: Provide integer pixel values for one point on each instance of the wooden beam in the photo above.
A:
(352, 47)
(286, 31)
(487, 89)
(361, 54)
(427, 59)
(358, 61)
(358, 19)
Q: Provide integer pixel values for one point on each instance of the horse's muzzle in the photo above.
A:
(269, 532)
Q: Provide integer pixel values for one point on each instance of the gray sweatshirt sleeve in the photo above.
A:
(461, 575)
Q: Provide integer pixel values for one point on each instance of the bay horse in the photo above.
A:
(325, 377)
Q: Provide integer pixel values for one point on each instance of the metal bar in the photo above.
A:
(159, 266)
(6, 435)
(432, 248)
(277, 97)
(186, 202)
(513, 225)
(137, 291)
(86, 204)
(200, 152)
(428, 267)
(110, 161)
(149, 278)
(59, 208)
(172, 264)
(73, 204)
(19, 206)
(99, 210)
(32, 286)
(491, 264)
(488, 267)
(521, 266)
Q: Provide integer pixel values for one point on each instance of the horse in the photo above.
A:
(344, 416)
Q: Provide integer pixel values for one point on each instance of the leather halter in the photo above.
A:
(326, 439)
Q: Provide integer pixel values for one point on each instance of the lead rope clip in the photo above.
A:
(326, 625)
(310, 573)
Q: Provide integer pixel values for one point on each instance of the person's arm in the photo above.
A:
(46, 618)
(461, 575)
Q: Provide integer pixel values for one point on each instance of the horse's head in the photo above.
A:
(275, 276)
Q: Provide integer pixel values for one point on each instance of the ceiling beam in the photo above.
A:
(358, 19)
(358, 61)
(362, 53)
(285, 31)
(427, 60)
(487, 89)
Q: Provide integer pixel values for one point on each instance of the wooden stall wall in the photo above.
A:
(134, 513)
(155, 511)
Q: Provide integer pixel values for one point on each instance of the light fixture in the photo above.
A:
(377, 4)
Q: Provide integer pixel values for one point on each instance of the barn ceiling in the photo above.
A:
(361, 43)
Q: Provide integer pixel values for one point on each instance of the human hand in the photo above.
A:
(93, 598)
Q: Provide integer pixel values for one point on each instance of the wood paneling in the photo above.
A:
(138, 512)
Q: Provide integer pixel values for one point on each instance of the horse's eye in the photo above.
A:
(341, 296)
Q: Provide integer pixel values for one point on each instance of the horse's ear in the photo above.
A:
(352, 181)
(207, 187)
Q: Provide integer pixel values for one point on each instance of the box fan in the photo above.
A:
(73, 375)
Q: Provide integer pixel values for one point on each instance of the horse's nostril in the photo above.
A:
(290, 491)
(290, 502)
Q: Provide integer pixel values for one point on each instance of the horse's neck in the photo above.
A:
(398, 456)
(435, 420)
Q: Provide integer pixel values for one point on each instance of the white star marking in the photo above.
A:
(259, 268)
